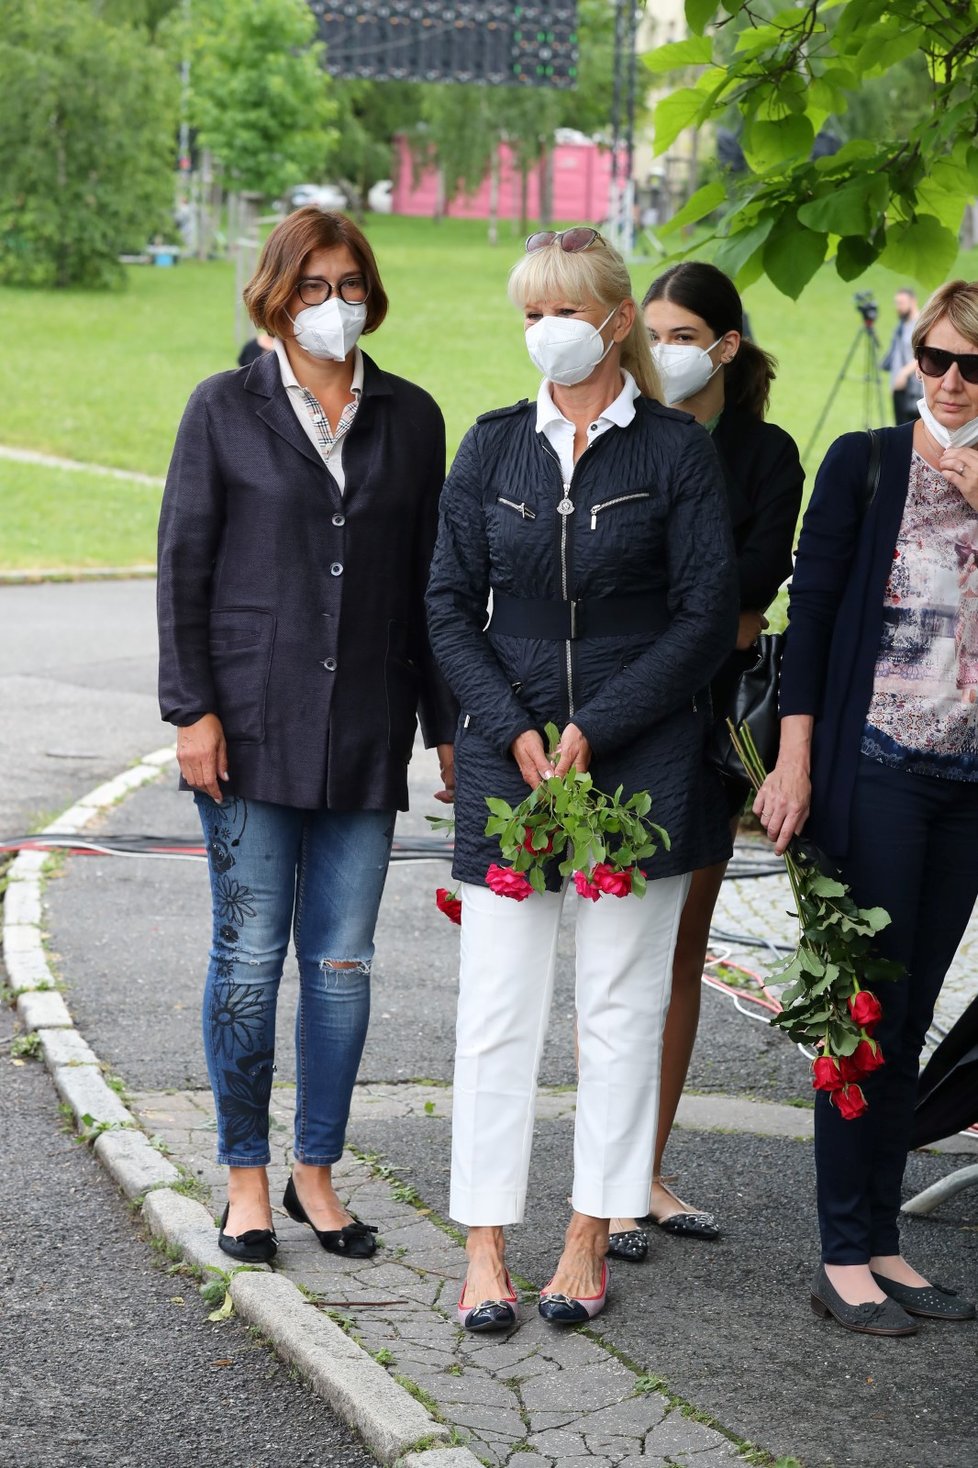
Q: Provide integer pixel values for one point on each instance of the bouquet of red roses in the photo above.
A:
(599, 838)
(826, 1003)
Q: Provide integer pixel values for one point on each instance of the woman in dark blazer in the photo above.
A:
(296, 532)
(708, 368)
(879, 690)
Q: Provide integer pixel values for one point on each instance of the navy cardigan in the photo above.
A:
(836, 615)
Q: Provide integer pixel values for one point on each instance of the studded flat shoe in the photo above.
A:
(630, 1243)
(933, 1301)
(875, 1317)
(355, 1239)
(490, 1314)
(560, 1309)
(691, 1224)
(254, 1246)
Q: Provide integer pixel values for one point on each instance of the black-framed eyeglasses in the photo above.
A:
(569, 240)
(935, 362)
(313, 291)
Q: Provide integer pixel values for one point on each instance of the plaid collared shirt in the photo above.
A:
(309, 412)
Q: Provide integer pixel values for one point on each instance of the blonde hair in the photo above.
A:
(958, 301)
(596, 274)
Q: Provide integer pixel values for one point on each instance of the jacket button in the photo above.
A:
(339, 520)
(329, 664)
(336, 569)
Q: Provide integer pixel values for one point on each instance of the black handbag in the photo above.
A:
(754, 699)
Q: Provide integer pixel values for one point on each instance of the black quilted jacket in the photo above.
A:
(650, 517)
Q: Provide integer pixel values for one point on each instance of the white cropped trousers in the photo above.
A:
(624, 972)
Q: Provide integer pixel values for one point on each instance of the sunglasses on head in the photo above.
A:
(569, 240)
(934, 362)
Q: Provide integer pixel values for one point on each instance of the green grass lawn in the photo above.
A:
(103, 378)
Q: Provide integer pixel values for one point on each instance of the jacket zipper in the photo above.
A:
(523, 510)
(606, 504)
(568, 659)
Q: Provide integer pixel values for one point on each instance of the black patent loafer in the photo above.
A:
(355, 1239)
(254, 1246)
(630, 1243)
(882, 1317)
(933, 1301)
(490, 1314)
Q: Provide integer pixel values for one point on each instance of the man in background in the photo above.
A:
(899, 360)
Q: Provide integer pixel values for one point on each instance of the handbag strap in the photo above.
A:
(872, 468)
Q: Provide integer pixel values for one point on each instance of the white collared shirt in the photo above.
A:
(559, 431)
(309, 411)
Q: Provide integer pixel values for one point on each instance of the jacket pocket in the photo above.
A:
(619, 499)
(241, 641)
(401, 680)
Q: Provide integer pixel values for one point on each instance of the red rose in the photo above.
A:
(850, 1101)
(865, 1009)
(825, 1074)
(585, 887)
(536, 850)
(867, 1057)
(616, 884)
(449, 904)
(507, 883)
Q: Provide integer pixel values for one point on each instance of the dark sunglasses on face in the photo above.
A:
(934, 362)
(569, 240)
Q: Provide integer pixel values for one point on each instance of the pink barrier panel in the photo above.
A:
(581, 174)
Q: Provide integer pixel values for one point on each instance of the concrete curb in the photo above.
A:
(388, 1419)
(395, 1426)
(36, 575)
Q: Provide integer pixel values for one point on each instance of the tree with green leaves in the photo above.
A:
(88, 114)
(897, 196)
(259, 97)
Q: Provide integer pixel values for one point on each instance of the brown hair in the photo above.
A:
(267, 294)
(712, 295)
(596, 274)
(958, 301)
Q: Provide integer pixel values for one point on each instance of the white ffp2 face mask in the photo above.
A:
(566, 350)
(685, 370)
(948, 438)
(331, 329)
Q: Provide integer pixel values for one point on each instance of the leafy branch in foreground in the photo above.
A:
(897, 195)
(826, 1003)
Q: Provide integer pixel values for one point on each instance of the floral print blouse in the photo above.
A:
(923, 715)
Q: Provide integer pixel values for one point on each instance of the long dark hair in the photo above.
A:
(707, 292)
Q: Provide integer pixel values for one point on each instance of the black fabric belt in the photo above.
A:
(566, 621)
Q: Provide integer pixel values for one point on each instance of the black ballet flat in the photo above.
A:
(355, 1239)
(630, 1243)
(254, 1246)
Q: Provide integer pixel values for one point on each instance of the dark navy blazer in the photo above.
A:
(292, 611)
(836, 615)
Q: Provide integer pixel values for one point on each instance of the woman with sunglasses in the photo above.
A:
(296, 532)
(879, 762)
(695, 321)
(595, 519)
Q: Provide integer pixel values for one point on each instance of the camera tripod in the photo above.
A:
(874, 408)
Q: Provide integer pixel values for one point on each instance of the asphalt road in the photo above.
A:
(104, 1357)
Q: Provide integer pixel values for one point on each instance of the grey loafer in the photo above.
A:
(883, 1317)
(933, 1301)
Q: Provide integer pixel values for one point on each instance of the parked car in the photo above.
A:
(324, 196)
(379, 196)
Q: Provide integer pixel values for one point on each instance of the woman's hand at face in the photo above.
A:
(960, 468)
(202, 755)
(446, 769)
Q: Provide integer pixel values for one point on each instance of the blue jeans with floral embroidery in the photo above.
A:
(319, 875)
